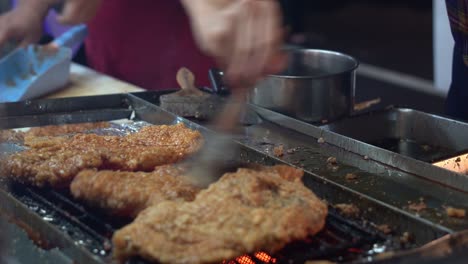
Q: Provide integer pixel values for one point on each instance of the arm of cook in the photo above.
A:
(23, 24)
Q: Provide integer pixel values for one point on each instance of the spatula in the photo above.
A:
(33, 71)
(220, 150)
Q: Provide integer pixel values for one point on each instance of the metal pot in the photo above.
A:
(317, 85)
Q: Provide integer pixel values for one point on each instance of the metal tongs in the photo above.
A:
(456, 243)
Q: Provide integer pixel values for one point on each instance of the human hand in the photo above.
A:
(244, 36)
(23, 25)
(78, 11)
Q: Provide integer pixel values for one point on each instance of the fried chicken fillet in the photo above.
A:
(244, 212)
(57, 130)
(11, 135)
(56, 160)
(128, 193)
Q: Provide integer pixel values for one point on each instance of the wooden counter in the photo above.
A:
(85, 82)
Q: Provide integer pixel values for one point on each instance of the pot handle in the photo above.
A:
(217, 82)
(358, 107)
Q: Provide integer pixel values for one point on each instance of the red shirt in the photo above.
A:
(144, 42)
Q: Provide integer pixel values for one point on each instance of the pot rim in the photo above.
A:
(320, 76)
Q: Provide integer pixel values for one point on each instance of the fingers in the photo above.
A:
(21, 26)
(5, 36)
(257, 43)
(6, 31)
(277, 58)
(78, 11)
(244, 43)
(263, 48)
(277, 63)
(244, 36)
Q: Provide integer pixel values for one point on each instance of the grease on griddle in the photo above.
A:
(414, 149)
(32, 234)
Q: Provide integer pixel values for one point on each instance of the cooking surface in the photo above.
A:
(412, 148)
(66, 222)
(386, 183)
(381, 192)
(408, 132)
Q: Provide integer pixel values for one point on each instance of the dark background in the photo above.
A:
(391, 34)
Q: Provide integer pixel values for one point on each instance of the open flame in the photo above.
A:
(245, 260)
(265, 257)
(260, 257)
(458, 164)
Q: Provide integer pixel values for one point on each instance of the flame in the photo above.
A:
(262, 256)
(245, 260)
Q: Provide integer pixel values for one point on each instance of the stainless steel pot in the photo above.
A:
(317, 85)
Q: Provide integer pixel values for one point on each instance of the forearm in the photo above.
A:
(216, 3)
(37, 7)
(194, 6)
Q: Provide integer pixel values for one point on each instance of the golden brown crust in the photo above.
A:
(9, 135)
(128, 193)
(244, 212)
(56, 160)
(58, 130)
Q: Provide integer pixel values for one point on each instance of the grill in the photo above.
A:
(57, 220)
(340, 240)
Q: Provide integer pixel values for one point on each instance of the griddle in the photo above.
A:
(386, 176)
(83, 233)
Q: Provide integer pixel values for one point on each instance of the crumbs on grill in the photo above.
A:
(278, 151)
(292, 150)
(406, 238)
(349, 210)
(332, 161)
(384, 229)
(417, 207)
(351, 177)
(455, 212)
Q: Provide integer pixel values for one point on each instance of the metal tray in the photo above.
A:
(367, 152)
(408, 132)
(50, 112)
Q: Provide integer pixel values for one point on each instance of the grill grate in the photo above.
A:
(341, 240)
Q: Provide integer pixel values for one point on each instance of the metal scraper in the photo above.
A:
(34, 71)
(220, 149)
(189, 101)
